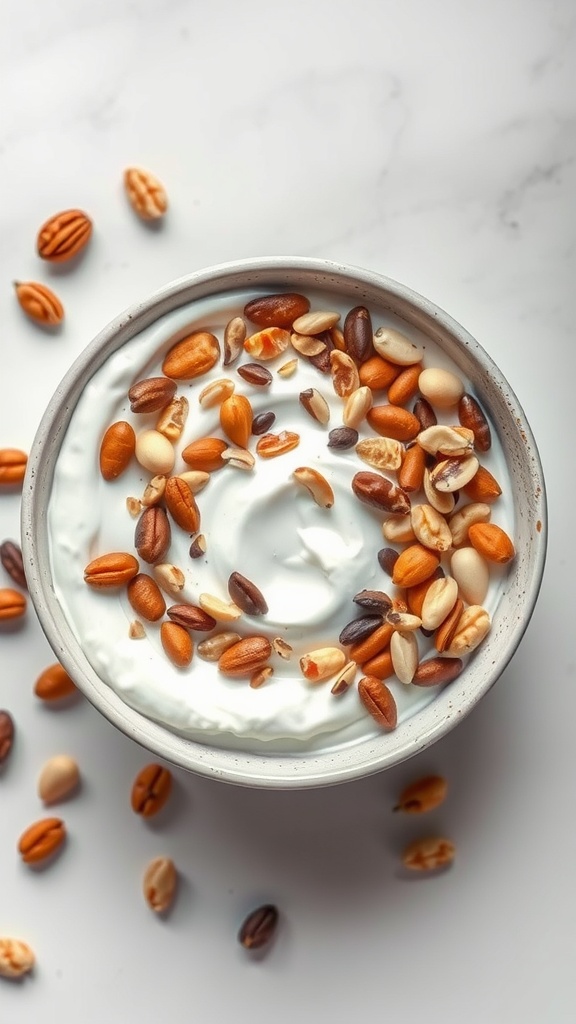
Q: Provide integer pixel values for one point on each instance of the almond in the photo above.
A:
(414, 565)
(372, 645)
(483, 487)
(12, 604)
(267, 344)
(39, 303)
(378, 373)
(54, 683)
(276, 310)
(255, 374)
(177, 643)
(236, 419)
(190, 616)
(379, 492)
(144, 595)
(192, 356)
(114, 569)
(41, 840)
(181, 505)
(246, 595)
(116, 450)
(393, 421)
(378, 701)
(146, 194)
(423, 795)
(152, 394)
(205, 454)
(63, 236)
(245, 657)
(492, 542)
(13, 464)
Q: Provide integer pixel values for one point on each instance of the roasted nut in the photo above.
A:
(262, 422)
(172, 419)
(471, 574)
(287, 369)
(41, 840)
(442, 388)
(372, 645)
(382, 453)
(12, 604)
(59, 778)
(213, 647)
(398, 530)
(415, 595)
(146, 194)
(405, 622)
(405, 385)
(151, 394)
(255, 374)
(316, 485)
(380, 665)
(268, 343)
(39, 303)
(154, 490)
(451, 475)
(307, 344)
(442, 502)
(342, 438)
(134, 506)
(356, 406)
(144, 595)
(483, 487)
(378, 701)
(387, 558)
(159, 884)
(7, 731)
(276, 310)
(444, 440)
(116, 450)
(12, 466)
(176, 643)
(404, 654)
(396, 347)
(192, 356)
(270, 446)
(195, 478)
(431, 528)
(63, 236)
(492, 542)
(471, 415)
(377, 491)
(437, 671)
(445, 632)
(393, 421)
(234, 338)
(439, 600)
(461, 521)
(190, 616)
(358, 334)
(424, 412)
(236, 419)
(169, 577)
(344, 679)
(222, 611)
(198, 546)
(152, 535)
(359, 629)
(373, 601)
(473, 625)
(316, 322)
(414, 565)
(246, 595)
(114, 569)
(155, 452)
(259, 927)
(215, 392)
(315, 405)
(377, 373)
(428, 854)
(245, 657)
(181, 504)
(150, 790)
(423, 795)
(54, 683)
(261, 676)
(205, 454)
(16, 958)
(322, 664)
(345, 377)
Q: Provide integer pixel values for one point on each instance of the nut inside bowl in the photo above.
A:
(298, 734)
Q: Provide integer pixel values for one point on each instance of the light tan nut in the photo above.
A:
(316, 485)
(282, 648)
(150, 790)
(356, 407)
(382, 453)
(54, 683)
(442, 502)
(414, 565)
(483, 487)
(439, 600)
(151, 394)
(195, 478)
(169, 577)
(398, 530)
(192, 356)
(437, 671)
(63, 236)
(396, 347)
(473, 625)
(41, 840)
(415, 595)
(404, 654)
(159, 884)
(269, 446)
(172, 419)
(472, 416)
(345, 376)
(337, 339)
(236, 419)
(154, 452)
(445, 632)
(444, 440)
(246, 595)
(58, 779)
(136, 630)
(40, 303)
(154, 490)
(276, 310)
(114, 569)
(405, 622)
(144, 595)
(177, 643)
(12, 466)
(222, 611)
(134, 506)
(146, 194)
(429, 854)
(393, 421)
(261, 676)
(471, 573)
(245, 657)
(492, 542)
(423, 795)
(379, 492)
(16, 958)
(451, 475)
(315, 322)
(215, 392)
(181, 504)
(442, 388)
(288, 369)
(431, 528)
(378, 701)
(152, 535)
(306, 344)
(234, 338)
(378, 373)
(321, 664)
(239, 458)
(461, 521)
(344, 679)
(213, 647)
(268, 343)
(315, 405)
(13, 604)
(205, 454)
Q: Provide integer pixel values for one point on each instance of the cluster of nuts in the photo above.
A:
(435, 462)
(65, 235)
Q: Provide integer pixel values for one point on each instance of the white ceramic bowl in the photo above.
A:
(518, 593)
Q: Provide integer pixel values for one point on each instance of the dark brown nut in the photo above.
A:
(262, 422)
(358, 334)
(41, 840)
(342, 438)
(387, 558)
(434, 671)
(357, 630)
(373, 601)
(150, 790)
(424, 413)
(276, 310)
(259, 927)
(254, 373)
(145, 597)
(379, 492)
(246, 595)
(153, 534)
(12, 604)
(54, 683)
(181, 504)
(423, 795)
(322, 360)
(152, 394)
(6, 735)
(11, 558)
(378, 701)
(114, 569)
(472, 416)
(191, 617)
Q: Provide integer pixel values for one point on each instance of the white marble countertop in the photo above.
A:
(435, 143)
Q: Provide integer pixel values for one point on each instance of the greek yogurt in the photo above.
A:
(307, 561)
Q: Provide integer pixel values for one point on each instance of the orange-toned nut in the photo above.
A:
(146, 194)
(405, 385)
(39, 303)
(159, 884)
(423, 795)
(268, 343)
(12, 604)
(150, 790)
(393, 421)
(145, 597)
(192, 356)
(492, 542)
(13, 464)
(378, 701)
(177, 643)
(41, 840)
(181, 504)
(16, 958)
(64, 235)
(54, 683)
(116, 450)
(372, 645)
(236, 419)
(411, 472)
(483, 487)
(245, 657)
(429, 854)
(377, 373)
(414, 565)
(415, 595)
(444, 634)
(111, 570)
(271, 445)
(380, 665)
(151, 394)
(205, 454)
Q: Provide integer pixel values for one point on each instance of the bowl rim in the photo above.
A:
(313, 769)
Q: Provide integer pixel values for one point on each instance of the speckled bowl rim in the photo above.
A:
(338, 764)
